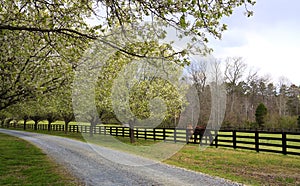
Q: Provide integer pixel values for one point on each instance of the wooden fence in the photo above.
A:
(259, 141)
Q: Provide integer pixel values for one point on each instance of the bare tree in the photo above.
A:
(198, 70)
(198, 76)
(283, 85)
(234, 70)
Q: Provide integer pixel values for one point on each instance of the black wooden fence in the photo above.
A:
(285, 142)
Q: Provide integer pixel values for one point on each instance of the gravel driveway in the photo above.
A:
(93, 169)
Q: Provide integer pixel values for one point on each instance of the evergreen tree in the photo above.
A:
(260, 114)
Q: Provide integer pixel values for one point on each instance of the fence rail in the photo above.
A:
(259, 141)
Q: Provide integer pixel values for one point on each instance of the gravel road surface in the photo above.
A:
(85, 163)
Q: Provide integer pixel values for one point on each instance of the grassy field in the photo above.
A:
(277, 141)
(24, 164)
(246, 167)
(243, 166)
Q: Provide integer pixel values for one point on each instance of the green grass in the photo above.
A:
(155, 150)
(24, 164)
(268, 141)
(246, 167)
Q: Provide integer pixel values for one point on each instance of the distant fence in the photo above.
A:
(285, 142)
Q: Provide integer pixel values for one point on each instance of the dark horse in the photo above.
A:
(198, 133)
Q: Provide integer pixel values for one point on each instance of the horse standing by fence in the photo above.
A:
(198, 133)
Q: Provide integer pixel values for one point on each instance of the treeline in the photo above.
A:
(246, 90)
(252, 101)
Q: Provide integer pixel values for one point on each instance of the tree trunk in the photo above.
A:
(131, 132)
(49, 125)
(66, 126)
(8, 122)
(91, 130)
(35, 125)
(24, 124)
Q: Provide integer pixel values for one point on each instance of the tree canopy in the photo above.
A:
(42, 43)
(69, 17)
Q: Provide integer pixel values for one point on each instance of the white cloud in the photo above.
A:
(269, 41)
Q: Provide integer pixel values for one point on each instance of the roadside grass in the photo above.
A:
(244, 166)
(155, 150)
(24, 164)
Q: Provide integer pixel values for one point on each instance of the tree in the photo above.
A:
(197, 73)
(38, 35)
(67, 18)
(260, 114)
(29, 69)
(234, 70)
(21, 111)
(65, 109)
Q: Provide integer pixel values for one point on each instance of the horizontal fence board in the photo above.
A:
(247, 137)
(246, 142)
(293, 147)
(270, 144)
(223, 140)
(244, 147)
(223, 135)
(293, 153)
(293, 140)
(270, 138)
(224, 145)
(269, 150)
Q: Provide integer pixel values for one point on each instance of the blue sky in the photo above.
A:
(269, 41)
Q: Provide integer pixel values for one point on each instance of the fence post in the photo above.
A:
(216, 139)
(104, 130)
(164, 134)
(110, 130)
(175, 137)
(123, 131)
(256, 141)
(234, 138)
(145, 132)
(154, 134)
(284, 143)
(137, 133)
(186, 136)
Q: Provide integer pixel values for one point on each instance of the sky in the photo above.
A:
(269, 41)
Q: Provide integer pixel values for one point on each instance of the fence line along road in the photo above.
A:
(259, 141)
